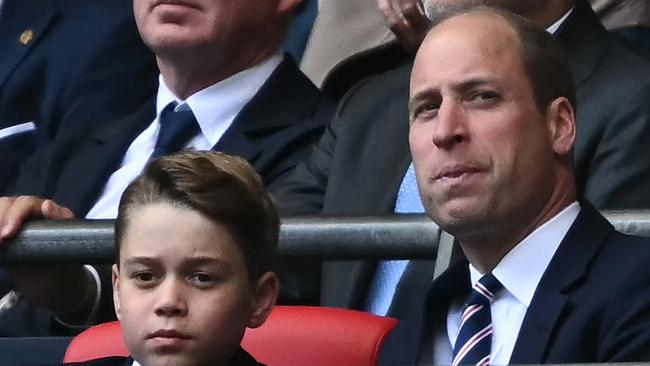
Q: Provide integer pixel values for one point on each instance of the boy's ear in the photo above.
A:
(264, 297)
(115, 278)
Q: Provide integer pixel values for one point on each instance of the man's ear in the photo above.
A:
(265, 294)
(115, 278)
(562, 124)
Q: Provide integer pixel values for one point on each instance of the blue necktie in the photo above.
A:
(177, 127)
(382, 289)
(474, 339)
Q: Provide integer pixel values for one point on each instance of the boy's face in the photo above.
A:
(182, 290)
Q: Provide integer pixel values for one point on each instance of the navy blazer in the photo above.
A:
(591, 304)
(67, 65)
(241, 358)
(273, 132)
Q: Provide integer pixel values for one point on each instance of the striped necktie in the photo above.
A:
(177, 127)
(475, 332)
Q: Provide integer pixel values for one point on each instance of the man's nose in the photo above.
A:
(170, 299)
(451, 126)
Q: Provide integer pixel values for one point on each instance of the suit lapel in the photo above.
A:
(79, 188)
(581, 35)
(272, 108)
(412, 338)
(23, 23)
(392, 144)
(396, 154)
(568, 266)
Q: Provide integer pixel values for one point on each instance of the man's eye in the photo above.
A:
(427, 109)
(485, 96)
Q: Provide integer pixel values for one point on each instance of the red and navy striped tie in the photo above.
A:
(475, 332)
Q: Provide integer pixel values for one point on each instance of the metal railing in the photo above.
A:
(322, 237)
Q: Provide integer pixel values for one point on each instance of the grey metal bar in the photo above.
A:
(91, 241)
(322, 237)
(630, 222)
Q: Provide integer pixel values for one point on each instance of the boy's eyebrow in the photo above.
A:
(197, 260)
(140, 260)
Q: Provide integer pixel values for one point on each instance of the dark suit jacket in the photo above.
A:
(591, 304)
(242, 358)
(83, 56)
(273, 132)
(361, 159)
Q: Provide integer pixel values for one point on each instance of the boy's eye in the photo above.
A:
(202, 279)
(143, 277)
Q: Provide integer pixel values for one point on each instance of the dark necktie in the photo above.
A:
(475, 332)
(177, 127)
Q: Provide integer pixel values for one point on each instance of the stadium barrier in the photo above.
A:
(318, 237)
(327, 238)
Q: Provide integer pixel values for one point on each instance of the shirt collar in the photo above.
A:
(522, 268)
(555, 26)
(220, 103)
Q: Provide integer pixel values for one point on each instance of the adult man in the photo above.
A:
(491, 135)
(222, 83)
(362, 159)
(61, 62)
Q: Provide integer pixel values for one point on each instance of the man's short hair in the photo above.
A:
(544, 59)
(223, 188)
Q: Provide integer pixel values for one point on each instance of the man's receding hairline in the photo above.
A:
(482, 12)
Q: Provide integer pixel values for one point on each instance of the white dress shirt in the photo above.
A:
(214, 107)
(519, 272)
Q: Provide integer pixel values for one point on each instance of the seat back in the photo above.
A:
(293, 335)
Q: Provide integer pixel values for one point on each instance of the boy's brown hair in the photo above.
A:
(221, 187)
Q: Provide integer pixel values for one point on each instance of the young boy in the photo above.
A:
(194, 238)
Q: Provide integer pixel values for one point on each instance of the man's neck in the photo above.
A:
(186, 75)
(484, 250)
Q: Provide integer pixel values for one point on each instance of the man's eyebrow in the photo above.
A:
(461, 86)
(473, 83)
(424, 94)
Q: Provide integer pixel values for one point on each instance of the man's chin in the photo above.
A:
(171, 42)
(457, 215)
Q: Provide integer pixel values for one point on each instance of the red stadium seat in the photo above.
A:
(292, 336)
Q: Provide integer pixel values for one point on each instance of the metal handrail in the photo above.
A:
(318, 237)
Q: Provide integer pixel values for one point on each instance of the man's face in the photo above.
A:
(483, 153)
(170, 25)
(182, 290)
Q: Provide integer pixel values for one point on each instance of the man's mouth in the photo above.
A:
(456, 171)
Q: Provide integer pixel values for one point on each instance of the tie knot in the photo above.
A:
(177, 127)
(484, 289)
